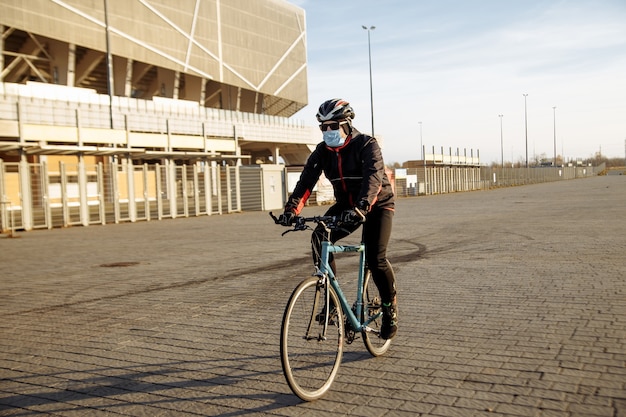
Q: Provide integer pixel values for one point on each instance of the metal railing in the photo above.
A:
(36, 196)
(40, 196)
(84, 110)
(443, 180)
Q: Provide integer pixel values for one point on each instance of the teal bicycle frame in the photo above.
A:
(326, 272)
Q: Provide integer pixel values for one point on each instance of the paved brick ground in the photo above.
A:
(512, 302)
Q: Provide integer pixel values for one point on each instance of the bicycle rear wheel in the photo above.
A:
(309, 358)
(373, 307)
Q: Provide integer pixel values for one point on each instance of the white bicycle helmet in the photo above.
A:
(335, 109)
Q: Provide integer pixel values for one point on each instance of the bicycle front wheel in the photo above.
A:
(373, 309)
(310, 354)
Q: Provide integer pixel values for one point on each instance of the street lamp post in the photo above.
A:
(421, 143)
(526, 127)
(109, 62)
(501, 142)
(369, 50)
(554, 119)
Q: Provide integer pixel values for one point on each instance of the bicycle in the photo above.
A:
(318, 318)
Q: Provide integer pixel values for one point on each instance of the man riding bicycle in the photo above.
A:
(353, 163)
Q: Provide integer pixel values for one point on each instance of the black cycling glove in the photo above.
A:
(287, 218)
(354, 216)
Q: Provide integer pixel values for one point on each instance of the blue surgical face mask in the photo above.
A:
(333, 138)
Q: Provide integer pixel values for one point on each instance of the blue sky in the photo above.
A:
(455, 65)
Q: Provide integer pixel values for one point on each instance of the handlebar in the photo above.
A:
(300, 222)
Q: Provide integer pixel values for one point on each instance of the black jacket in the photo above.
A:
(356, 170)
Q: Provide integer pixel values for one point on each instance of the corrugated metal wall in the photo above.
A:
(251, 188)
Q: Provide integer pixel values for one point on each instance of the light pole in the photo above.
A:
(369, 50)
(501, 142)
(554, 118)
(526, 127)
(421, 143)
(109, 62)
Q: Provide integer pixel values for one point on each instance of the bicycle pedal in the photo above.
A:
(351, 336)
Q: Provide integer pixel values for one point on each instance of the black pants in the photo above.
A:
(376, 234)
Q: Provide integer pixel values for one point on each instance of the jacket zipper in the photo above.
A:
(343, 182)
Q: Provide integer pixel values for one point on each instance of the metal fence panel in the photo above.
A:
(181, 209)
(163, 195)
(121, 181)
(70, 194)
(251, 188)
(202, 189)
(10, 197)
(97, 201)
(109, 193)
(39, 196)
(216, 189)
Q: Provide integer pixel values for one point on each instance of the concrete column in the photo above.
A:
(207, 186)
(166, 80)
(183, 190)
(121, 76)
(3, 202)
(71, 65)
(146, 201)
(59, 51)
(1, 54)
(276, 155)
(196, 189)
(202, 91)
(229, 195)
(237, 187)
(115, 190)
(176, 88)
(101, 198)
(26, 191)
(130, 175)
(218, 184)
(128, 82)
(171, 187)
(82, 191)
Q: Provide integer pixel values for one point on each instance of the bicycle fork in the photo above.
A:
(322, 287)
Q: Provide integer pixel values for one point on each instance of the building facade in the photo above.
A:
(125, 84)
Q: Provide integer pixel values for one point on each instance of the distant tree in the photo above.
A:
(610, 162)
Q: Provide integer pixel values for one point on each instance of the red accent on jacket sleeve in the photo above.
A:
(302, 201)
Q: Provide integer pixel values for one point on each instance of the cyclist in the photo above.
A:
(353, 163)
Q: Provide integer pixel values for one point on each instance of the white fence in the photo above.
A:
(445, 179)
(35, 196)
(39, 196)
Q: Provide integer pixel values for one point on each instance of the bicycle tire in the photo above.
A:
(310, 364)
(372, 305)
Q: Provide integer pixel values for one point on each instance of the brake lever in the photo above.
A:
(295, 229)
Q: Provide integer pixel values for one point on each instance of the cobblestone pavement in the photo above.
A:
(512, 303)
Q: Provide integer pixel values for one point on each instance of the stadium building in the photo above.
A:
(122, 110)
